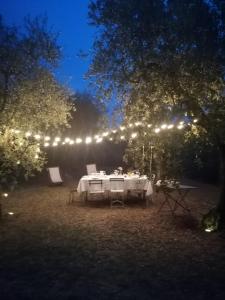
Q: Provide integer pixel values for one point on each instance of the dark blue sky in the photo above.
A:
(69, 18)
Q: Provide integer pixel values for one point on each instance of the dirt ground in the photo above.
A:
(52, 250)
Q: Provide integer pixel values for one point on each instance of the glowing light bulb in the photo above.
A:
(57, 139)
(170, 126)
(88, 140)
(11, 213)
(78, 141)
(181, 126)
(134, 135)
(55, 144)
(99, 140)
(96, 136)
(28, 133)
(157, 130)
(36, 156)
(5, 195)
(130, 125)
(195, 120)
(149, 125)
(105, 133)
(114, 131)
(46, 144)
(17, 131)
(18, 162)
(122, 137)
(164, 126)
(111, 139)
(67, 140)
(47, 138)
(37, 136)
(208, 230)
(122, 128)
(71, 142)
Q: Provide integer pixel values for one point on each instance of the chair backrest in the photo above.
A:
(55, 175)
(95, 186)
(91, 169)
(116, 184)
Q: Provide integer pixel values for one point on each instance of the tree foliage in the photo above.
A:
(30, 97)
(164, 59)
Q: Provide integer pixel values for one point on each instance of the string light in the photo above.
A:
(99, 140)
(99, 137)
(164, 126)
(5, 195)
(78, 141)
(134, 135)
(88, 140)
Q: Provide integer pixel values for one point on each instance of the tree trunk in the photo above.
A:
(221, 203)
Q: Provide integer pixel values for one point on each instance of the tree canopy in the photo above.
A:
(31, 99)
(164, 59)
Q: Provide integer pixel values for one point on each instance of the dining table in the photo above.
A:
(131, 183)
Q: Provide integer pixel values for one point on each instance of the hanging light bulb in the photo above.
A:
(122, 128)
(170, 126)
(71, 142)
(5, 195)
(164, 126)
(149, 125)
(99, 140)
(195, 120)
(88, 140)
(122, 137)
(180, 126)
(67, 139)
(37, 136)
(46, 144)
(57, 139)
(134, 135)
(55, 144)
(78, 141)
(157, 130)
(27, 134)
(47, 138)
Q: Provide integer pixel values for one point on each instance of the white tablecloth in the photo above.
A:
(130, 183)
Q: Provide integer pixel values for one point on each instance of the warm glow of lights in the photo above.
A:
(28, 133)
(37, 136)
(78, 141)
(111, 139)
(170, 126)
(195, 120)
(17, 131)
(149, 125)
(57, 139)
(36, 156)
(164, 126)
(21, 144)
(137, 123)
(67, 139)
(18, 162)
(5, 195)
(122, 137)
(71, 142)
(96, 136)
(181, 122)
(134, 135)
(88, 140)
(55, 144)
(38, 150)
(208, 230)
(99, 140)
(47, 138)
(181, 126)
(130, 125)
(157, 130)
(105, 133)
(11, 213)
(46, 144)
(63, 143)
(114, 131)
(122, 128)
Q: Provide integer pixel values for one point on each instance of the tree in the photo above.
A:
(31, 100)
(169, 56)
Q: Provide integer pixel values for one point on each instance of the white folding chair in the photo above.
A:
(116, 192)
(55, 176)
(91, 169)
(95, 188)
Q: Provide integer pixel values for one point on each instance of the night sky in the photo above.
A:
(70, 19)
